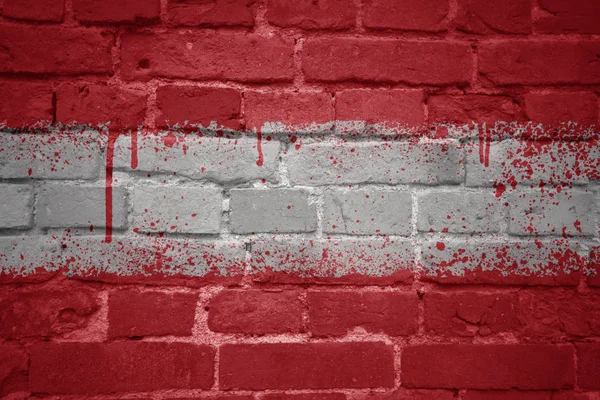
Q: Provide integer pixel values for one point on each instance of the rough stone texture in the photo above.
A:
(539, 212)
(29, 256)
(16, 206)
(221, 160)
(367, 212)
(76, 206)
(177, 209)
(376, 162)
(276, 211)
(256, 312)
(51, 156)
(458, 212)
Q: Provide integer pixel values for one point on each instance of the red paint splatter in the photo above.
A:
(440, 246)
(260, 160)
(170, 140)
(484, 147)
(91, 228)
(29, 171)
(500, 189)
(108, 201)
(577, 225)
(134, 150)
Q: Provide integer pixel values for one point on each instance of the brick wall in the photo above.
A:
(328, 199)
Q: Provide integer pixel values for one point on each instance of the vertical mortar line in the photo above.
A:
(319, 193)
(284, 179)
(69, 18)
(452, 15)
(359, 15)
(475, 84)
(164, 6)
(297, 59)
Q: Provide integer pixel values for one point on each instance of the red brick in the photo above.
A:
(380, 105)
(117, 11)
(35, 10)
(527, 62)
(207, 55)
(198, 105)
(304, 396)
(488, 366)
(14, 364)
(306, 366)
(470, 108)
(86, 103)
(45, 313)
(89, 368)
(571, 395)
(213, 13)
(336, 313)
(25, 103)
(422, 15)
(555, 107)
(574, 16)
(501, 16)
(133, 314)
(558, 313)
(588, 365)
(506, 395)
(291, 109)
(256, 312)
(309, 14)
(409, 394)
(387, 60)
(81, 50)
(470, 313)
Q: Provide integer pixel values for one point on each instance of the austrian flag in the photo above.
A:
(330, 200)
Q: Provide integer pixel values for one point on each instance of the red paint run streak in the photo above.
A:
(134, 150)
(261, 157)
(485, 140)
(108, 202)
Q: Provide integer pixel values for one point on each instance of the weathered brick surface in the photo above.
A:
(213, 14)
(566, 213)
(367, 212)
(111, 11)
(558, 107)
(215, 159)
(577, 16)
(49, 156)
(422, 16)
(467, 109)
(256, 312)
(311, 366)
(25, 103)
(376, 162)
(327, 14)
(271, 211)
(588, 355)
(45, 313)
(207, 55)
(384, 60)
(34, 10)
(82, 50)
(467, 314)
(76, 206)
(506, 366)
(458, 212)
(15, 363)
(16, 206)
(505, 16)
(177, 209)
(336, 313)
(75, 368)
(150, 313)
